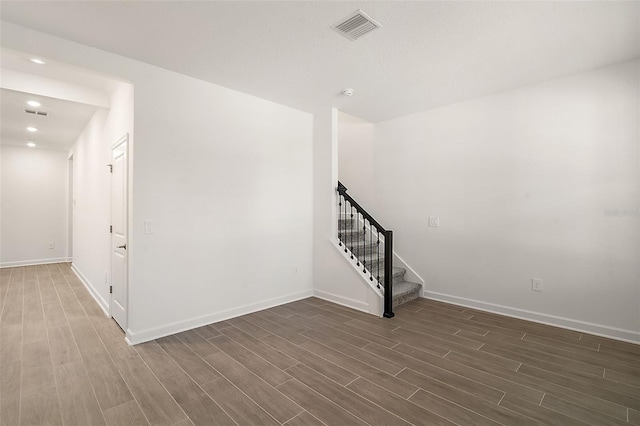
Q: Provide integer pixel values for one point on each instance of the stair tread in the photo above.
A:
(360, 244)
(404, 287)
(355, 239)
(397, 270)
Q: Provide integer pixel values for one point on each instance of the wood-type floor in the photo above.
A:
(309, 362)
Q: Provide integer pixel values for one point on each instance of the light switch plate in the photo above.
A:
(149, 227)
(536, 284)
(434, 221)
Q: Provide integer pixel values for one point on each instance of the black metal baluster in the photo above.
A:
(364, 241)
(339, 228)
(372, 263)
(355, 231)
(378, 255)
(344, 221)
(351, 229)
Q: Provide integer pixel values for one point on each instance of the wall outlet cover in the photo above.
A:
(536, 284)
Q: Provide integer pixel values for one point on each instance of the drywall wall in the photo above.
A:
(335, 278)
(33, 206)
(92, 191)
(226, 178)
(90, 208)
(539, 182)
(355, 158)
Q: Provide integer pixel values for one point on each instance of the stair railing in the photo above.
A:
(352, 236)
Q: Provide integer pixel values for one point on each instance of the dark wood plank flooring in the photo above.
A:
(311, 362)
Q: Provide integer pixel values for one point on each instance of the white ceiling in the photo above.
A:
(427, 54)
(19, 61)
(59, 130)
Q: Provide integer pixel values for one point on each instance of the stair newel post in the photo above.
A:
(388, 274)
(342, 214)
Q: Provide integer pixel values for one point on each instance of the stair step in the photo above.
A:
(346, 224)
(404, 292)
(363, 244)
(355, 223)
(398, 275)
(365, 251)
(372, 262)
(359, 233)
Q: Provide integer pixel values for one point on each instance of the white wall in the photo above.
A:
(33, 206)
(355, 158)
(92, 186)
(226, 178)
(334, 277)
(522, 182)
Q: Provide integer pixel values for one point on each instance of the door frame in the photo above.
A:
(124, 139)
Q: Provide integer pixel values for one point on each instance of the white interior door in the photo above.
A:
(119, 233)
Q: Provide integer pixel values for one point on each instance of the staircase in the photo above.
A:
(366, 246)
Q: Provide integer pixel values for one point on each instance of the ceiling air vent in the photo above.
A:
(356, 25)
(36, 112)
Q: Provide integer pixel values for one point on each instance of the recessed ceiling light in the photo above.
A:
(33, 103)
(32, 129)
(31, 144)
(38, 61)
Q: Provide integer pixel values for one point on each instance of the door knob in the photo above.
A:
(124, 246)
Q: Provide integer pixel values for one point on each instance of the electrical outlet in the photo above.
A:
(434, 221)
(50, 245)
(536, 284)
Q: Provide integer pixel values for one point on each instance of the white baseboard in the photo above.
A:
(34, 262)
(358, 305)
(134, 338)
(94, 293)
(568, 323)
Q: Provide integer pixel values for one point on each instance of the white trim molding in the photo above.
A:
(92, 291)
(556, 321)
(358, 305)
(34, 262)
(134, 338)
